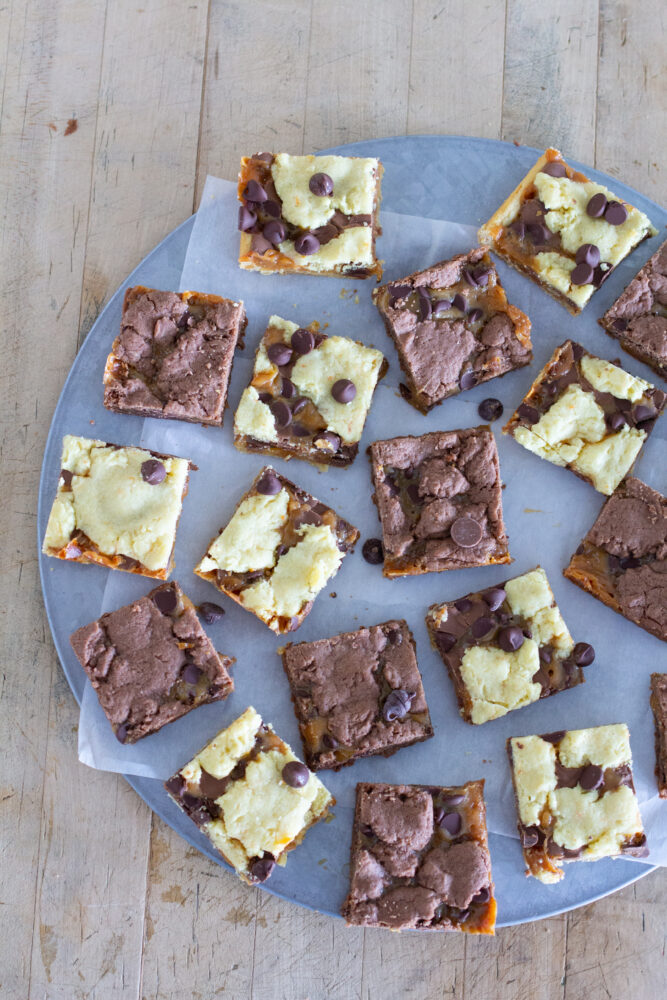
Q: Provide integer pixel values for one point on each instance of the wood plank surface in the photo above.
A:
(111, 115)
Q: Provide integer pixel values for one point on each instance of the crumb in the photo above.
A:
(333, 594)
(72, 126)
(532, 510)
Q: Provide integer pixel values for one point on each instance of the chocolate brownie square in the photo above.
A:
(564, 231)
(173, 356)
(453, 327)
(420, 859)
(439, 501)
(659, 707)
(358, 694)
(623, 559)
(587, 415)
(638, 317)
(151, 662)
(506, 646)
(575, 798)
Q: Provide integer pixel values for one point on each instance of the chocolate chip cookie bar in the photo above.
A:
(638, 317)
(420, 859)
(117, 506)
(506, 646)
(659, 707)
(277, 552)
(250, 796)
(309, 214)
(587, 415)
(575, 798)
(564, 231)
(309, 396)
(151, 662)
(173, 356)
(439, 501)
(623, 559)
(453, 327)
(358, 694)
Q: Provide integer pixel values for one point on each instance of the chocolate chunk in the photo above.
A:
(275, 232)
(279, 354)
(451, 823)
(328, 441)
(259, 869)
(254, 191)
(175, 786)
(583, 654)
(466, 532)
(475, 315)
(343, 391)
(373, 551)
(287, 389)
(295, 774)
(615, 213)
(510, 639)
(247, 219)
(321, 185)
(269, 484)
(582, 274)
(596, 206)
(445, 641)
(482, 626)
(459, 302)
(396, 705)
(281, 413)
(468, 380)
(306, 244)
(302, 341)
(166, 600)
(212, 787)
(555, 168)
(153, 472)
(591, 777)
(210, 612)
(494, 598)
(589, 254)
(490, 409)
(191, 673)
(528, 413)
(121, 733)
(66, 477)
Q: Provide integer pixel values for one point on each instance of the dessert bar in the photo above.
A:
(564, 231)
(659, 707)
(117, 506)
(587, 415)
(309, 214)
(439, 501)
(453, 327)
(250, 796)
(309, 396)
(357, 694)
(623, 559)
(151, 662)
(506, 646)
(420, 859)
(638, 317)
(173, 356)
(278, 551)
(575, 798)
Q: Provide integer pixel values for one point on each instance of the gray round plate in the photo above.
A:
(438, 163)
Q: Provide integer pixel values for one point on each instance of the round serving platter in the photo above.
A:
(441, 177)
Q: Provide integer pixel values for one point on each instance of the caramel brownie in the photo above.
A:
(309, 396)
(623, 559)
(357, 694)
(439, 501)
(309, 214)
(453, 327)
(151, 662)
(659, 706)
(278, 551)
(420, 859)
(250, 796)
(564, 231)
(587, 415)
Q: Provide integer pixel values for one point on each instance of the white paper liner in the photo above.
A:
(547, 512)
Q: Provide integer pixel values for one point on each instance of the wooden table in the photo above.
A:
(112, 115)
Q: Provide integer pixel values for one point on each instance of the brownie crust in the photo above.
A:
(659, 707)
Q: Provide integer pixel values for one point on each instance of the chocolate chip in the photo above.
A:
(494, 598)
(620, 325)
(589, 254)
(247, 219)
(528, 413)
(545, 654)
(469, 277)
(538, 233)
(272, 208)
(327, 441)
(275, 232)
(268, 484)
(482, 275)
(482, 626)
(279, 354)
(466, 532)
(72, 551)
(445, 641)
(459, 302)
(591, 777)
(424, 304)
(527, 633)
(175, 785)
(615, 213)
(463, 605)
(641, 412)
(596, 206)
(468, 380)
(475, 315)
(483, 896)
(519, 229)
(302, 341)
(451, 823)
(166, 600)
(298, 405)
(554, 737)
(210, 612)
(254, 191)
(397, 292)
(441, 306)
(153, 472)
(373, 551)
(438, 814)
(190, 673)
(295, 774)
(572, 852)
(66, 477)
(321, 185)
(510, 639)
(259, 869)
(282, 414)
(554, 168)
(343, 391)
(490, 409)
(530, 836)
(555, 850)
(264, 397)
(582, 274)
(121, 733)
(583, 654)
(453, 800)
(615, 421)
(306, 244)
(602, 272)
(330, 742)
(396, 705)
